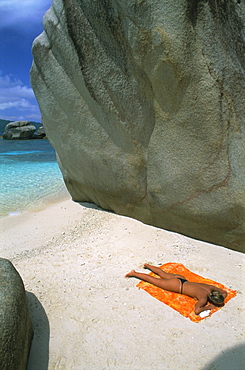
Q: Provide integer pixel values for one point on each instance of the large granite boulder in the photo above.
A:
(143, 102)
(16, 329)
(19, 130)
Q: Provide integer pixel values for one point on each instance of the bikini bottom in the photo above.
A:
(182, 281)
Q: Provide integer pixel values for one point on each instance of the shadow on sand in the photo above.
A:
(233, 358)
(39, 353)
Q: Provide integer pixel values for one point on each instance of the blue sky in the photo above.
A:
(20, 23)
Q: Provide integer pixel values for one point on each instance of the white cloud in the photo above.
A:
(11, 88)
(7, 82)
(16, 97)
(12, 91)
(22, 103)
(16, 91)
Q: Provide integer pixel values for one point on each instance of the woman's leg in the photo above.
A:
(161, 273)
(172, 285)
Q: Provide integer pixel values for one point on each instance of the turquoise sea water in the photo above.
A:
(29, 176)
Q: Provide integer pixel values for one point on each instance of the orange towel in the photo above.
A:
(179, 302)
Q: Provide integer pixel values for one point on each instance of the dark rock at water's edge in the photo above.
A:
(21, 130)
(4, 122)
(41, 131)
(41, 134)
(152, 96)
(16, 329)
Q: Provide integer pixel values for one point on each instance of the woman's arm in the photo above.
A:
(202, 305)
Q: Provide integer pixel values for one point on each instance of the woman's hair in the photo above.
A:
(216, 298)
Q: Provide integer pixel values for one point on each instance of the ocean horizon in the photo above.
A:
(30, 177)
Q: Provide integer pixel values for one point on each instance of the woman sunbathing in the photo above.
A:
(208, 296)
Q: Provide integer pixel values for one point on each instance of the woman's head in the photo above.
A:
(216, 298)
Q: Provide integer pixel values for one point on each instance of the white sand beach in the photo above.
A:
(86, 315)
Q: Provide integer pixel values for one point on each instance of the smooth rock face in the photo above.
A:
(16, 329)
(19, 130)
(144, 103)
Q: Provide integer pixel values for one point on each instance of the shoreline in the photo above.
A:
(41, 203)
(30, 177)
(73, 257)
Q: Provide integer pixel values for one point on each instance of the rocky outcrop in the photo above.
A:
(19, 130)
(16, 329)
(152, 95)
(41, 131)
